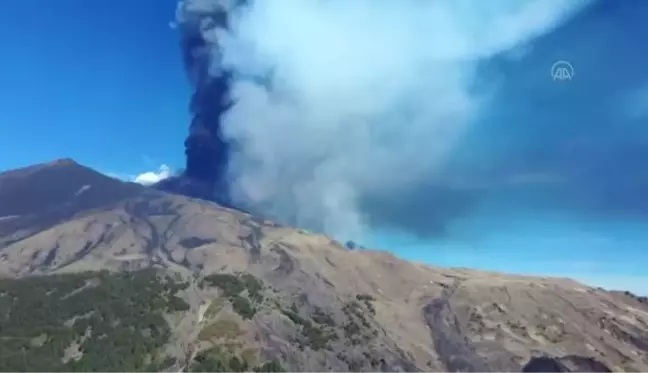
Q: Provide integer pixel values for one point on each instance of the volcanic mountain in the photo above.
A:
(99, 274)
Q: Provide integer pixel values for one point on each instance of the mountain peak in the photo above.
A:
(26, 170)
(51, 191)
(50, 182)
(62, 162)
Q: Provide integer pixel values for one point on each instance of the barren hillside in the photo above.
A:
(271, 293)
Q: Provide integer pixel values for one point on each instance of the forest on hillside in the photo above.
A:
(87, 322)
(110, 322)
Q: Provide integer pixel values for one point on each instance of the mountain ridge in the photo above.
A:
(385, 313)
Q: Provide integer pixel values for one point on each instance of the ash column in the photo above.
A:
(207, 153)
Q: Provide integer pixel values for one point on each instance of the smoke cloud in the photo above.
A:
(340, 115)
(153, 177)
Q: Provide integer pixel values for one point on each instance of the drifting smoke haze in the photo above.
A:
(432, 118)
(344, 110)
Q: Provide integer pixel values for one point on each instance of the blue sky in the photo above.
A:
(105, 85)
(77, 81)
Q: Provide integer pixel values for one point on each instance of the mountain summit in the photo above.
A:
(156, 281)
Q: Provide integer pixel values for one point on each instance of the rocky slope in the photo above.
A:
(304, 299)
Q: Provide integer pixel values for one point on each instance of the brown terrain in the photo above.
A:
(357, 310)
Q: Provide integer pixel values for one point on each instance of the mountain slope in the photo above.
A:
(269, 294)
(39, 197)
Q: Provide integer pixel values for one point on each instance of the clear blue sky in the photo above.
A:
(104, 84)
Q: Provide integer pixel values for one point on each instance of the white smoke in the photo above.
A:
(354, 97)
(153, 177)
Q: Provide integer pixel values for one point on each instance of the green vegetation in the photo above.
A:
(243, 307)
(233, 287)
(294, 317)
(367, 299)
(234, 284)
(217, 360)
(640, 299)
(114, 321)
(318, 336)
(228, 329)
(358, 323)
(355, 309)
(321, 317)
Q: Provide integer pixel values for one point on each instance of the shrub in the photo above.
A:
(243, 307)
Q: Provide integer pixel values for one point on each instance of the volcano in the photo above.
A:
(216, 288)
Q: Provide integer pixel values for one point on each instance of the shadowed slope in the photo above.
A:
(41, 187)
(37, 197)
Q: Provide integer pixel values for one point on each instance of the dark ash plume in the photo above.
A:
(207, 153)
